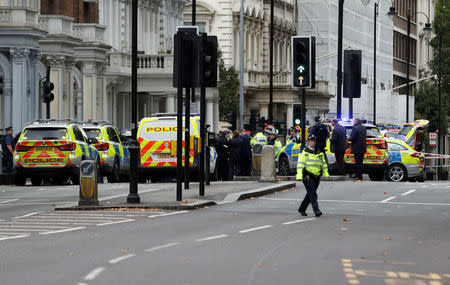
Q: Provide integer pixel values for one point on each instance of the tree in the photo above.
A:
(228, 90)
(426, 106)
(441, 25)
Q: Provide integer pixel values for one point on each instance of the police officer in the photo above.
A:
(8, 151)
(273, 140)
(223, 154)
(310, 167)
(293, 136)
(320, 131)
(259, 138)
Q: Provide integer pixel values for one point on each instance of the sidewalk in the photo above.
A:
(163, 195)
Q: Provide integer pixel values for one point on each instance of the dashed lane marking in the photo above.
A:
(116, 222)
(62, 231)
(366, 202)
(408, 192)
(298, 221)
(162, 246)
(388, 199)
(212, 238)
(121, 258)
(168, 214)
(94, 273)
(255, 229)
(27, 215)
(13, 237)
(8, 201)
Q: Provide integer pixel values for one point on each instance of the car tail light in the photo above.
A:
(68, 147)
(416, 154)
(22, 148)
(102, 146)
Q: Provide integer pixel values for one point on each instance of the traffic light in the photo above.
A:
(352, 73)
(304, 62)
(297, 114)
(186, 49)
(48, 88)
(208, 61)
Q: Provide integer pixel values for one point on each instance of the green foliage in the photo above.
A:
(228, 90)
(427, 96)
(426, 106)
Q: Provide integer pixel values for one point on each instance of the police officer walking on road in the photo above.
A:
(338, 144)
(359, 147)
(310, 167)
(8, 151)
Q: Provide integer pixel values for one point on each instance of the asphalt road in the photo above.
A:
(371, 233)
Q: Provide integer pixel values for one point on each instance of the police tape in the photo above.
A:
(437, 166)
(435, 155)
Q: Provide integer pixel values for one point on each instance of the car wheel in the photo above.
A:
(20, 180)
(396, 173)
(284, 168)
(376, 176)
(114, 177)
(36, 181)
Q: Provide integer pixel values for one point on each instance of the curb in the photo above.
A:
(190, 205)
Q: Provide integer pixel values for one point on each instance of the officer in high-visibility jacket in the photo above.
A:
(273, 140)
(293, 136)
(259, 138)
(310, 167)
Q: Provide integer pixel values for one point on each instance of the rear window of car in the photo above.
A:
(45, 134)
(371, 132)
(93, 133)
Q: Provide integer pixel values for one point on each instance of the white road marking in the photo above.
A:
(7, 201)
(211, 238)
(424, 186)
(82, 284)
(168, 214)
(366, 202)
(298, 221)
(255, 229)
(116, 222)
(14, 237)
(40, 189)
(124, 195)
(62, 231)
(161, 246)
(120, 258)
(94, 273)
(27, 215)
(408, 192)
(13, 225)
(388, 199)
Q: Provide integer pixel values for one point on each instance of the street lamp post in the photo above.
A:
(339, 58)
(271, 63)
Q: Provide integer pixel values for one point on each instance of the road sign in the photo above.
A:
(432, 139)
(270, 128)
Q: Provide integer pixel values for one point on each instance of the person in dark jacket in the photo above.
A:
(8, 151)
(338, 144)
(223, 155)
(246, 155)
(235, 160)
(358, 140)
(320, 131)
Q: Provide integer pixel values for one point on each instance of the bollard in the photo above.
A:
(256, 159)
(88, 183)
(268, 163)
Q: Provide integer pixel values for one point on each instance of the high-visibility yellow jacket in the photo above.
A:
(311, 162)
(278, 146)
(259, 138)
(293, 139)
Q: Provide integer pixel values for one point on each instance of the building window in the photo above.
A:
(400, 47)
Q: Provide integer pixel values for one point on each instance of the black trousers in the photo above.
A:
(7, 164)
(245, 167)
(235, 167)
(340, 162)
(311, 183)
(359, 157)
(223, 168)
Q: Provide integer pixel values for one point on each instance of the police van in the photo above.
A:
(52, 149)
(157, 137)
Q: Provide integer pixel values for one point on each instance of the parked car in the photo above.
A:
(404, 162)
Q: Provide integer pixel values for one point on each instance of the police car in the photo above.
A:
(114, 155)
(52, 149)
(404, 162)
(375, 159)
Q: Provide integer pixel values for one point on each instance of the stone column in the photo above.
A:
(89, 90)
(69, 89)
(215, 125)
(289, 115)
(170, 103)
(19, 63)
(35, 57)
(56, 63)
(210, 114)
(264, 111)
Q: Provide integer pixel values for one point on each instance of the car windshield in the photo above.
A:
(93, 133)
(371, 132)
(405, 130)
(45, 134)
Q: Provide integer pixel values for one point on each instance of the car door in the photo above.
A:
(121, 149)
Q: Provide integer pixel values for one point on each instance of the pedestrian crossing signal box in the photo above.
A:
(88, 183)
(304, 62)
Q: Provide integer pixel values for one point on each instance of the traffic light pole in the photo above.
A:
(187, 136)
(303, 118)
(201, 175)
(179, 119)
(339, 57)
(271, 63)
(133, 196)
